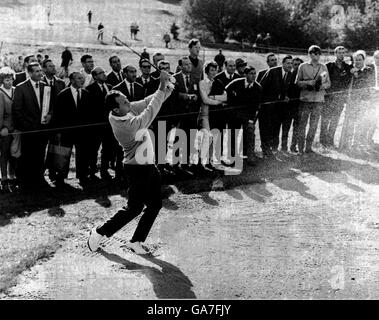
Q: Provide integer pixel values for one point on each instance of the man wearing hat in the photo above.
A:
(240, 66)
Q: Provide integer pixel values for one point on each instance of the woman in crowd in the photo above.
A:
(358, 106)
(7, 162)
(207, 102)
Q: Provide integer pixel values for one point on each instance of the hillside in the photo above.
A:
(27, 19)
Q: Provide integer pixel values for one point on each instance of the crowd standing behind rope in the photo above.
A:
(41, 117)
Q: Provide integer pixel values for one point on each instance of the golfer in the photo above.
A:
(129, 121)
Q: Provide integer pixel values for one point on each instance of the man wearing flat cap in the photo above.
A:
(240, 66)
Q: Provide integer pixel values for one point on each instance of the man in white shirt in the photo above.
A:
(129, 121)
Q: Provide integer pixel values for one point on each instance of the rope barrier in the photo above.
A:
(221, 109)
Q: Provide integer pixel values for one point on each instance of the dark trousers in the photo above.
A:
(93, 147)
(267, 119)
(144, 190)
(308, 111)
(31, 164)
(186, 124)
(285, 113)
(81, 160)
(218, 120)
(330, 117)
(89, 144)
(242, 118)
(108, 150)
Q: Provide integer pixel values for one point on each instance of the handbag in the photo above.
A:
(16, 144)
(58, 156)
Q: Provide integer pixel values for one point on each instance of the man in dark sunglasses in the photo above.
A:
(149, 83)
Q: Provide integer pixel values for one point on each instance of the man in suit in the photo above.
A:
(66, 59)
(272, 61)
(56, 85)
(220, 59)
(197, 64)
(336, 97)
(165, 114)
(156, 58)
(50, 78)
(23, 75)
(275, 92)
(115, 76)
(229, 74)
(245, 95)
(70, 118)
(28, 108)
(187, 104)
(240, 66)
(129, 87)
(224, 118)
(87, 64)
(149, 83)
(145, 54)
(101, 131)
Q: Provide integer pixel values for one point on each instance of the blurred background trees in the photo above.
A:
(291, 23)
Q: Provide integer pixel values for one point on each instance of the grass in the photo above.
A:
(11, 271)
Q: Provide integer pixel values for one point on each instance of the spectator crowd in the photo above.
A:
(42, 120)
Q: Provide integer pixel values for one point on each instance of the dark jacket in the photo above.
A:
(246, 100)
(360, 86)
(58, 84)
(98, 113)
(224, 79)
(181, 91)
(149, 87)
(20, 77)
(139, 91)
(112, 79)
(67, 115)
(274, 87)
(339, 78)
(260, 75)
(294, 90)
(26, 111)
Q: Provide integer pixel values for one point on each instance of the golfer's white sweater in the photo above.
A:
(131, 130)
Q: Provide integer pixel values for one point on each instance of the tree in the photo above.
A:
(274, 19)
(362, 29)
(219, 17)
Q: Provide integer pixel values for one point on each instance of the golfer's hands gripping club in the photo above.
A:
(166, 80)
